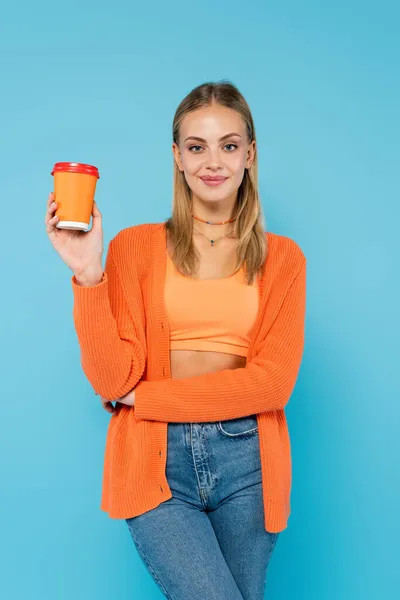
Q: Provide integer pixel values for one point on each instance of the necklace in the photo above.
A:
(214, 240)
(211, 223)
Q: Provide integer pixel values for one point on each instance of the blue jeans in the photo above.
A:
(209, 539)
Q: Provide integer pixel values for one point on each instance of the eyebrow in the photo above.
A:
(199, 139)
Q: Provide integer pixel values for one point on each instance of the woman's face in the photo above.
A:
(223, 151)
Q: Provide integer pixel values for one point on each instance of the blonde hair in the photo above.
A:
(249, 224)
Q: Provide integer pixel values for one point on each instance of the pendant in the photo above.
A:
(212, 242)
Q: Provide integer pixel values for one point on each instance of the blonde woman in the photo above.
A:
(195, 328)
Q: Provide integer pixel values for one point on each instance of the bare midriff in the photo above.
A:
(189, 363)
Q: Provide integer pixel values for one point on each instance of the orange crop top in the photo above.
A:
(210, 314)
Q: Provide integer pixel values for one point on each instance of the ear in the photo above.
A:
(177, 155)
(251, 153)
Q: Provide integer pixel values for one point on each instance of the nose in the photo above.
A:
(214, 160)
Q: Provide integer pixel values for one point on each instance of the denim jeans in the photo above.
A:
(209, 540)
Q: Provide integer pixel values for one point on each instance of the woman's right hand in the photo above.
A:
(81, 251)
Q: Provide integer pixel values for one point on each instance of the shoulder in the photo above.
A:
(132, 245)
(137, 235)
(284, 255)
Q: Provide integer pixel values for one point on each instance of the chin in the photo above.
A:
(213, 198)
(214, 194)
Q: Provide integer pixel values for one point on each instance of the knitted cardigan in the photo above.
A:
(123, 334)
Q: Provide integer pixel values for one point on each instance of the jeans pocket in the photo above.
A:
(241, 427)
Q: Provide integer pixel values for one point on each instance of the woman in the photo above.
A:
(196, 329)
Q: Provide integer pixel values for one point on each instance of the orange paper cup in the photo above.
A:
(74, 189)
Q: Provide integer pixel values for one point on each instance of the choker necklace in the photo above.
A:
(211, 223)
(213, 241)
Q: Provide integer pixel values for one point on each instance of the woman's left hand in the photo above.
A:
(128, 399)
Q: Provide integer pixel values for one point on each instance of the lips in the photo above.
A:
(213, 181)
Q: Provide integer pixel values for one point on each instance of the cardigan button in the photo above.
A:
(159, 453)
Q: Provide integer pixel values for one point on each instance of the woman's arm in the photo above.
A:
(113, 346)
(264, 384)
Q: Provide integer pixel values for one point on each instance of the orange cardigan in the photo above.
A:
(123, 334)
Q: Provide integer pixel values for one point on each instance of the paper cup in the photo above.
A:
(74, 190)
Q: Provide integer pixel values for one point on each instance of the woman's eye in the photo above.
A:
(196, 146)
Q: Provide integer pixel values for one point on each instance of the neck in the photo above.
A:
(214, 214)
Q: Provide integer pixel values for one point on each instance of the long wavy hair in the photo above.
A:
(249, 224)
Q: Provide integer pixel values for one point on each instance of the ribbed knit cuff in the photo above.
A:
(140, 402)
(93, 294)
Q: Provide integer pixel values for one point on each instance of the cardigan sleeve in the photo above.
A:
(113, 353)
(264, 384)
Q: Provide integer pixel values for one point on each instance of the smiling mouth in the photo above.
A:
(213, 182)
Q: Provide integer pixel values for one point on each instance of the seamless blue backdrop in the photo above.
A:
(99, 83)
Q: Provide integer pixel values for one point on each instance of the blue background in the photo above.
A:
(99, 83)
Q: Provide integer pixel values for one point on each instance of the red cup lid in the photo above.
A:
(73, 167)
